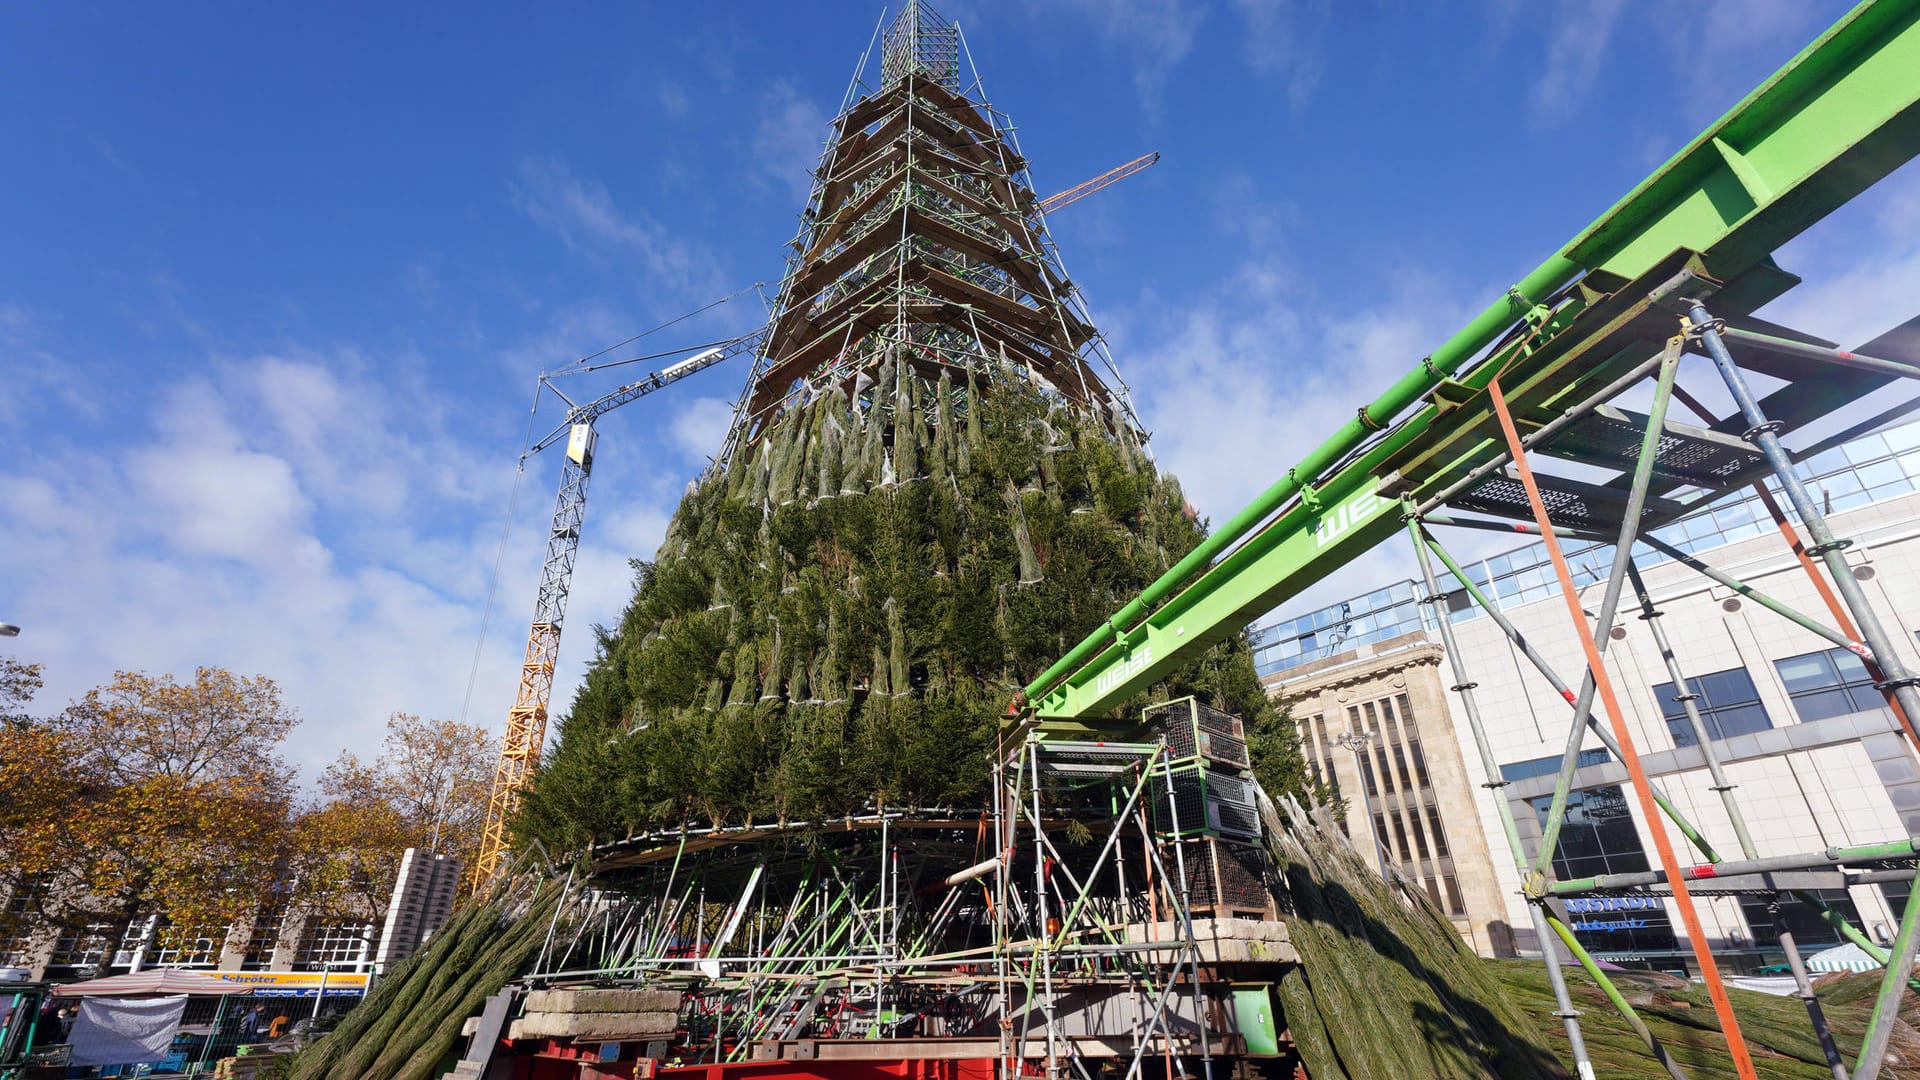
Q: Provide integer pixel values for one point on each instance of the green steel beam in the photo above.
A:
(1833, 121)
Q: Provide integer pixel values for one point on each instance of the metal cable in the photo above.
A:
(568, 370)
(500, 552)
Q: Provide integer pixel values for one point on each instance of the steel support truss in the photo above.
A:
(1665, 469)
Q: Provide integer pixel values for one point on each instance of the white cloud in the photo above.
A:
(700, 425)
(232, 503)
(584, 215)
(789, 138)
(1238, 389)
(341, 550)
(1283, 40)
(1154, 36)
(671, 97)
(1861, 267)
(1715, 51)
(1576, 50)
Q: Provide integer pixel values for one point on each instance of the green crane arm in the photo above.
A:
(1833, 121)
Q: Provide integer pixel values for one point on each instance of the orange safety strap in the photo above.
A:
(1629, 756)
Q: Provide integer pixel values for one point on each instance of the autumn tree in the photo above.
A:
(37, 779)
(19, 681)
(426, 789)
(151, 796)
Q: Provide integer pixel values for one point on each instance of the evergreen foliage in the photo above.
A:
(842, 618)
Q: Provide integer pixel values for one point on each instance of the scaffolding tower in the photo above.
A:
(1662, 469)
(922, 242)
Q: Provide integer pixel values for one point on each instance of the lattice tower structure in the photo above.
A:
(922, 239)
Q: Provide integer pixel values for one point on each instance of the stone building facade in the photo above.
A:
(1406, 787)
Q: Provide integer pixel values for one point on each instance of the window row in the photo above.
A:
(1821, 685)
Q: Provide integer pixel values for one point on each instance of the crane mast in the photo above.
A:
(527, 719)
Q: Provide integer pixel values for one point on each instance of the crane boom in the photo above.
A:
(527, 720)
(1087, 187)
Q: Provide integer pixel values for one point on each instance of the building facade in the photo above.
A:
(1816, 757)
(283, 936)
(1407, 770)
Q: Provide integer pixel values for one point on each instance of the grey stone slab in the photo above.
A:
(1884, 747)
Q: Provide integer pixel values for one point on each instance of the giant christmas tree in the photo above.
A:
(935, 484)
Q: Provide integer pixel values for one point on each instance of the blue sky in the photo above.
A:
(279, 278)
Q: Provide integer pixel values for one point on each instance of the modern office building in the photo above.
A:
(1816, 757)
(422, 903)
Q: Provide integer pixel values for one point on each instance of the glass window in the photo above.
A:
(1730, 517)
(1419, 836)
(1598, 837)
(1865, 448)
(1831, 683)
(264, 936)
(85, 946)
(1826, 461)
(1439, 834)
(1419, 763)
(1881, 473)
(326, 942)
(1729, 705)
(1550, 766)
(1803, 920)
(1904, 437)
(1895, 893)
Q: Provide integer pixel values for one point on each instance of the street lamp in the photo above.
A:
(1356, 741)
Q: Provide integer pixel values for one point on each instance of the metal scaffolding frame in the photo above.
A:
(1663, 468)
(922, 240)
(995, 937)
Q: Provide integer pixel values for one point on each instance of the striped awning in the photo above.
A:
(1848, 957)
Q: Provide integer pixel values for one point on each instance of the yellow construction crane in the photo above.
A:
(1087, 187)
(527, 720)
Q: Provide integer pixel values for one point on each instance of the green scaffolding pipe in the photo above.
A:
(1632, 1018)
(1836, 118)
(1544, 280)
(1673, 813)
(1828, 914)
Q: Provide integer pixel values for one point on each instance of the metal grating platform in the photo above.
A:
(1092, 758)
(1571, 504)
(1611, 437)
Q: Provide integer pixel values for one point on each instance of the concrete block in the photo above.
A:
(611, 1026)
(602, 1001)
